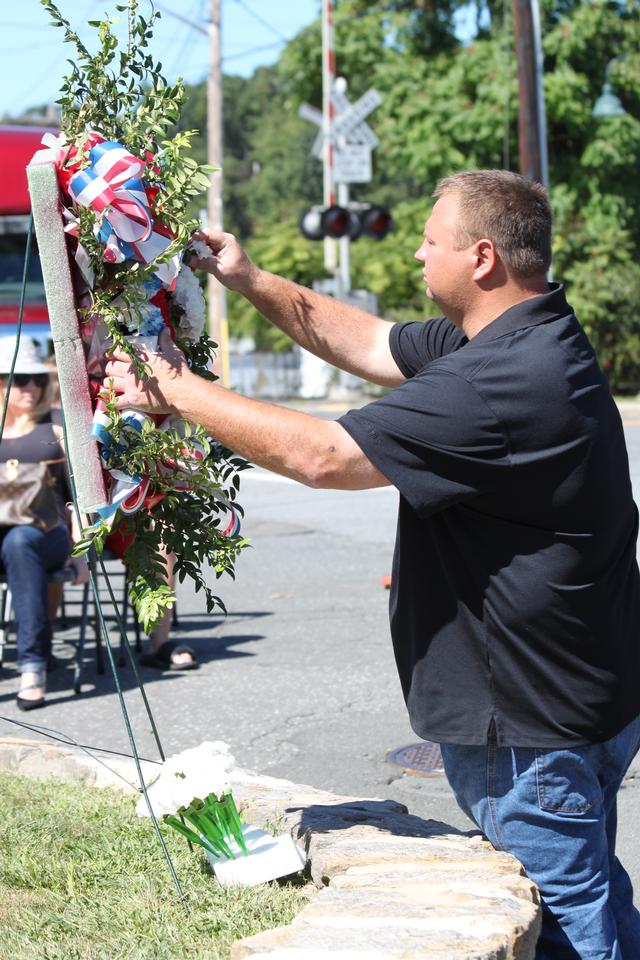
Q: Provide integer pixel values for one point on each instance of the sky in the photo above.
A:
(32, 54)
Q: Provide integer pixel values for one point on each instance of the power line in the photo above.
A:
(187, 40)
(259, 19)
(245, 53)
(201, 28)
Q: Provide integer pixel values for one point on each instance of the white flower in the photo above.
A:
(201, 249)
(189, 297)
(193, 773)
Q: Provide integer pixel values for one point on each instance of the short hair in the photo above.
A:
(508, 209)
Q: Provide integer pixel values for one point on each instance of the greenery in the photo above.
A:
(119, 93)
(447, 105)
(81, 878)
(186, 523)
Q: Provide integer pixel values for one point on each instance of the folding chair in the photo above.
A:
(60, 575)
(88, 612)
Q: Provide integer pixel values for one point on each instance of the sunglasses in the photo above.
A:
(22, 379)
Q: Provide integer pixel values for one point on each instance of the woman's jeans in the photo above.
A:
(28, 555)
(555, 810)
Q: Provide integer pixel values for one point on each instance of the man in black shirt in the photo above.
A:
(515, 605)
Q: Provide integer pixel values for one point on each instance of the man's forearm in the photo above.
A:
(318, 453)
(345, 336)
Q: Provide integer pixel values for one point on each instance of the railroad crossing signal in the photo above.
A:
(348, 131)
(336, 222)
(353, 140)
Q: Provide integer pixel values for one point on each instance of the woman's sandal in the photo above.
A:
(162, 659)
(31, 680)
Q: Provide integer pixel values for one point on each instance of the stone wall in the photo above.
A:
(390, 885)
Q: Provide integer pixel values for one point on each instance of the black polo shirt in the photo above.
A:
(515, 595)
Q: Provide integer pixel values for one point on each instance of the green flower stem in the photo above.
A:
(216, 822)
(208, 828)
(191, 836)
(229, 812)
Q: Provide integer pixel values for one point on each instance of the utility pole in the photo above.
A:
(532, 137)
(217, 304)
(218, 328)
(328, 80)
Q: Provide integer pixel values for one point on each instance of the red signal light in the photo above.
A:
(376, 222)
(336, 222)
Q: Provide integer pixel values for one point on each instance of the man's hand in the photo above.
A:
(228, 262)
(161, 392)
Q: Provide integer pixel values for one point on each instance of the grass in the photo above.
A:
(83, 878)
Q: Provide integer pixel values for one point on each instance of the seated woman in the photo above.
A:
(34, 521)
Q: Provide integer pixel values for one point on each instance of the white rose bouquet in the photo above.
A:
(193, 786)
(193, 795)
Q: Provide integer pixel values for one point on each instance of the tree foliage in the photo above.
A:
(450, 105)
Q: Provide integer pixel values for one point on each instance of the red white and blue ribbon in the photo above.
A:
(128, 492)
(113, 187)
(233, 527)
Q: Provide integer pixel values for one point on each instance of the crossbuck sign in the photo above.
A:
(352, 138)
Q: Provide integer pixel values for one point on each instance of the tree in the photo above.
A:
(449, 105)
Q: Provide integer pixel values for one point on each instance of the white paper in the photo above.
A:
(268, 858)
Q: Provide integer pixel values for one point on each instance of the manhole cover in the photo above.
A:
(420, 759)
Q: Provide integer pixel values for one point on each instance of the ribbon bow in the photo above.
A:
(131, 493)
(111, 185)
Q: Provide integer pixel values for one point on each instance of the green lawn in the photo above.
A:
(82, 877)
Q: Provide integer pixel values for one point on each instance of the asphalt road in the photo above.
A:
(299, 678)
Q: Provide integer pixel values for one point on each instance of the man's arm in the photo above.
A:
(316, 452)
(343, 335)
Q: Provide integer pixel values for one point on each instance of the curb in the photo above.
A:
(391, 885)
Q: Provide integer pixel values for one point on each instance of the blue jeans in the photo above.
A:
(28, 554)
(555, 810)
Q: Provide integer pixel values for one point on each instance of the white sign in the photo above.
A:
(307, 112)
(350, 118)
(348, 127)
(332, 287)
(361, 132)
(352, 163)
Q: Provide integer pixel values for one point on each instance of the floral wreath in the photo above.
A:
(126, 184)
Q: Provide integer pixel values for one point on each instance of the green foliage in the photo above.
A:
(594, 175)
(447, 107)
(122, 94)
(82, 877)
(187, 523)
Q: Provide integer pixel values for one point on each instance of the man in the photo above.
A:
(516, 604)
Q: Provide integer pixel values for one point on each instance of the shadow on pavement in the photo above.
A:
(385, 815)
(207, 649)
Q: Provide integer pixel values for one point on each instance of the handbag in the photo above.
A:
(28, 495)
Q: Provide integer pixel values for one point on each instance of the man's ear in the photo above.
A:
(486, 259)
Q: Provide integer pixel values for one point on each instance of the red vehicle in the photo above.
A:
(17, 146)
